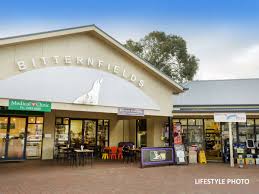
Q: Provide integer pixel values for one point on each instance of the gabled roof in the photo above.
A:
(101, 34)
(232, 92)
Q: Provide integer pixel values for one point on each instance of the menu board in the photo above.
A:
(152, 156)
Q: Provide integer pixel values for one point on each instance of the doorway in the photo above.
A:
(12, 138)
(141, 133)
(213, 140)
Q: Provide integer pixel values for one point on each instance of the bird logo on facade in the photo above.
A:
(92, 97)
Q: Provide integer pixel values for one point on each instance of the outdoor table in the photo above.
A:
(82, 154)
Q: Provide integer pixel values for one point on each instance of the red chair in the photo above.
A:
(120, 154)
(113, 153)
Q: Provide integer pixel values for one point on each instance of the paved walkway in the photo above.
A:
(115, 177)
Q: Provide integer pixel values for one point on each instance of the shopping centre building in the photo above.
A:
(195, 108)
(78, 86)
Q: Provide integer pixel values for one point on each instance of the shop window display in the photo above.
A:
(89, 130)
(102, 135)
(62, 128)
(257, 129)
(3, 132)
(246, 131)
(34, 137)
(195, 133)
(191, 131)
(77, 132)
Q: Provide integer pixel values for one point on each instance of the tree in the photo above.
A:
(168, 53)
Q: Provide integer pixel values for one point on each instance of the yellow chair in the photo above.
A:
(105, 156)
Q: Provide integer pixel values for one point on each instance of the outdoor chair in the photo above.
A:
(105, 153)
(120, 153)
(113, 152)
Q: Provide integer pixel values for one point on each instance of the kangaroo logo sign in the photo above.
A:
(230, 117)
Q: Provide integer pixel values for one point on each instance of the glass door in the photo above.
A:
(90, 128)
(76, 133)
(3, 136)
(15, 141)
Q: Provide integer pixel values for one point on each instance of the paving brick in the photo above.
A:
(48, 177)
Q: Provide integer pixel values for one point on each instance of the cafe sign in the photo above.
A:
(27, 105)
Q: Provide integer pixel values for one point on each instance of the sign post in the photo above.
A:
(231, 144)
(229, 118)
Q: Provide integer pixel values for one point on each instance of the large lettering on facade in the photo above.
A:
(80, 61)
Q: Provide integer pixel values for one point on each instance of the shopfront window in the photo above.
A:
(257, 129)
(3, 134)
(183, 123)
(141, 132)
(195, 132)
(191, 131)
(89, 132)
(103, 133)
(62, 129)
(34, 137)
(246, 130)
(77, 132)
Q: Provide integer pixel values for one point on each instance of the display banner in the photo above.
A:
(230, 117)
(152, 156)
(130, 111)
(177, 133)
(27, 105)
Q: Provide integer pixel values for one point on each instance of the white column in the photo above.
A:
(231, 144)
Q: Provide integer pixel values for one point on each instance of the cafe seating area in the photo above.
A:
(82, 155)
(125, 151)
(74, 156)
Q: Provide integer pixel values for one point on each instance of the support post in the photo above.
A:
(170, 132)
(231, 144)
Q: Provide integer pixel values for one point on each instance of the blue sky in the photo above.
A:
(223, 34)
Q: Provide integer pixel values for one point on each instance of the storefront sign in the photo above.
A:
(130, 112)
(40, 62)
(27, 105)
(229, 117)
(153, 156)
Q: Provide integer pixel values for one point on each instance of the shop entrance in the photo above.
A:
(12, 138)
(83, 132)
(213, 140)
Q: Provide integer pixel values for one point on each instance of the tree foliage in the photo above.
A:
(168, 53)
